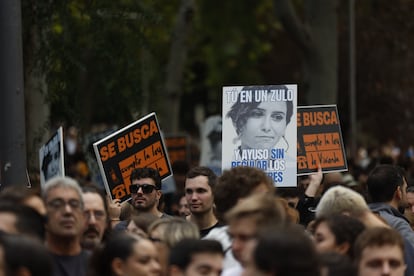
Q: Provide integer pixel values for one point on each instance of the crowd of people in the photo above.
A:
(238, 223)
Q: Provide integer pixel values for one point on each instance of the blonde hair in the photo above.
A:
(340, 199)
(174, 229)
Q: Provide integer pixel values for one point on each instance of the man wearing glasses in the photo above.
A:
(65, 225)
(146, 192)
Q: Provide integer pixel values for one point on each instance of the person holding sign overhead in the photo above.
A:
(145, 194)
(146, 191)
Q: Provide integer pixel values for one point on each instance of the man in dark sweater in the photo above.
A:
(387, 188)
(65, 225)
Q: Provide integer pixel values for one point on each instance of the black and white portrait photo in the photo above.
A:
(259, 130)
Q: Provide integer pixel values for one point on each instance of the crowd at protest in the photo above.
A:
(358, 222)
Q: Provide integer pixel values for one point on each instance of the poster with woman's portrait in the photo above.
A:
(259, 130)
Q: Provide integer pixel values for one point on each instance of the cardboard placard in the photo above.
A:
(320, 140)
(259, 130)
(178, 148)
(137, 145)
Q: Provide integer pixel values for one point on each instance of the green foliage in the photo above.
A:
(90, 54)
(233, 41)
(234, 38)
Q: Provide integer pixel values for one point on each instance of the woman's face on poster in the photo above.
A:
(265, 125)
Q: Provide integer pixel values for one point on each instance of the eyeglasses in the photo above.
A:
(146, 188)
(58, 204)
(98, 214)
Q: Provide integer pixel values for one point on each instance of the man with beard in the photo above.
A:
(145, 195)
(146, 191)
(65, 225)
(96, 217)
(387, 187)
(199, 185)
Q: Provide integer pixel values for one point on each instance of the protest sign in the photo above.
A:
(88, 140)
(320, 140)
(259, 130)
(211, 139)
(137, 145)
(178, 148)
(51, 157)
(178, 151)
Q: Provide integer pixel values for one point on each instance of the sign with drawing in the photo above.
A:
(320, 140)
(137, 145)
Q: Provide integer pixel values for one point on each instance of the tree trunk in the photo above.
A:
(318, 40)
(176, 65)
(37, 109)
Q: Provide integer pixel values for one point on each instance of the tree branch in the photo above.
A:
(294, 28)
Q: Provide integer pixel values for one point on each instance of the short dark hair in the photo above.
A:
(183, 251)
(25, 252)
(410, 189)
(337, 264)
(203, 171)
(18, 194)
(377, 237)
(276, 246)
(180, 167)
(383, 181)
(237, 183)
(28, 221)
(94, 189)
(147, 172)
(344, 228)
(120, 245)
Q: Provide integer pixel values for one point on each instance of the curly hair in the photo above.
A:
(147, 173)
(239, 182)
(203, 171)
